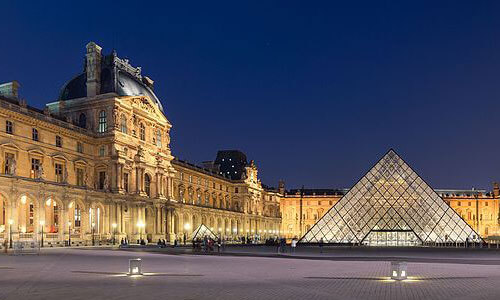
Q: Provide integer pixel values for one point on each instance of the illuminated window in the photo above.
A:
(123, 125)
(78, 216)
(58, 172)
(142, 132)
(35, 168)
(103, 123)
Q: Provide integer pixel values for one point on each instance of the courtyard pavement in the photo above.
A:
(251, 273)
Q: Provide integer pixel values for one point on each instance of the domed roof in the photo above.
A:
(117, 76)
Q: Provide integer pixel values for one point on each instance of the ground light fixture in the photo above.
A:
(399, 270)
(135, 266)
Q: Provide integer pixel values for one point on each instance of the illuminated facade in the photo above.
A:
(96, 165)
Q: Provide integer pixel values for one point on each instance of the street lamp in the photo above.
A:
(92, 230)
(69, 233)
(114, 225)
(42, 223)
(10, 232)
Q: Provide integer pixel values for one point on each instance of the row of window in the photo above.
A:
(35, 136)
(470, 203)
(206, 183)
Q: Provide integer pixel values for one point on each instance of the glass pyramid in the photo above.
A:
(392, 206)
(201, 232)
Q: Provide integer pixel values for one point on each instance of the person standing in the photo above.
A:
(294, 245)
(321, 245)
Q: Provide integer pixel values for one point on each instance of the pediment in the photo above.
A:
(11, 146)
(59, 155)
(36, 150)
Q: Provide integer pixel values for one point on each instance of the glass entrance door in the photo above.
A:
(391, 238)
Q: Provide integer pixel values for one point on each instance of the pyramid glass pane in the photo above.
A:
(390, 206)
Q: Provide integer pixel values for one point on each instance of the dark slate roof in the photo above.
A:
(116, 77)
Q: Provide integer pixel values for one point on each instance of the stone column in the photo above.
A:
(137, 180)
(63, 226)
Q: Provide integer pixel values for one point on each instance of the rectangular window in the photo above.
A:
(485, 203)
(32, 214)
(458, 203)
(236, 190)
(102, 150)
(79, 177)
(58, 141)
(9, 163)
(79, 147)
(59, 172)
(102, 179)
(469, 203)
(35, 168)
(8, 127)
(125, 182)
(34, 134)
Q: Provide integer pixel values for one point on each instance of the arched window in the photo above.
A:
(158, 137)
(123, 124)
(82, 120)
(142, 132)
(103, 123)
(147, 184)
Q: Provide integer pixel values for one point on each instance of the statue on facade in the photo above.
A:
(86, 180)
(40, 172)
(65, 175)
(12, 166)
(106, 182)
(140, 151)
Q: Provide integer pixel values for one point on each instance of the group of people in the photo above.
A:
(161, 243)
(207, 244)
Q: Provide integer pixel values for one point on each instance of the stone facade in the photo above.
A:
(99, 167)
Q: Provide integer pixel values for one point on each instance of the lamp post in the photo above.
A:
(114, 232)
(42, 223)
(69, 233)
(92, 231)
(10, 233)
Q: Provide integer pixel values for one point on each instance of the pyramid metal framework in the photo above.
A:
(201, 232)
(391, 205)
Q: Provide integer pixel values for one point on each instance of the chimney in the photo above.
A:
(93, 69)
(10, 90)
(281, 187)
(496, 190)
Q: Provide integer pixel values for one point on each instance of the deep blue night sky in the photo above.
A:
(314, 92)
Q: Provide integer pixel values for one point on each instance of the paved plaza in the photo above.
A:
(251, 273)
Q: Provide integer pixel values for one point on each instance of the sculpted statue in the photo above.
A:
(140, 151)
(65, 175)
(86, 180)
(12, 166)
(106, 182)
(41, 172)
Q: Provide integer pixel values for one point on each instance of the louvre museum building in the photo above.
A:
(95, 166)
